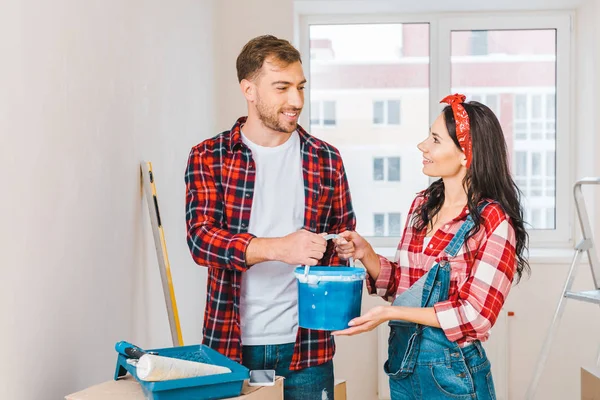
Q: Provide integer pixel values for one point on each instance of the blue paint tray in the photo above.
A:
(211, 387)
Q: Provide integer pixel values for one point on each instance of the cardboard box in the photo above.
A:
(590, 383)
(339, 392)
(128, 389)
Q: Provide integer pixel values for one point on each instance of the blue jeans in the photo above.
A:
(306, 384)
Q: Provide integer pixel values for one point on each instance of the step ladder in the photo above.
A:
(586, 245)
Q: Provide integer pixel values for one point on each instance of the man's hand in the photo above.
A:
(298, 248)
(301, 248)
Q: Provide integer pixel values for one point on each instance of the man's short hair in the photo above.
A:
(257, 50)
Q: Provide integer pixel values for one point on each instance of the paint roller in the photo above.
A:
(152, 367)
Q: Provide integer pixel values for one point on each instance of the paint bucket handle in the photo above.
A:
(328, 237)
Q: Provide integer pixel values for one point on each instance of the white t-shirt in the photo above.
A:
(269, 293)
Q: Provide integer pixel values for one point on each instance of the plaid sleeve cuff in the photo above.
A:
(449, 319)
(236, 250)
(385, 283)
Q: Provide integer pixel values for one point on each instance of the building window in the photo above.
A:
(378, 224)
(386, 112)
(393, 169)
(534, 117)
(378, 169)
(490, 100)
(386, 169)
(322, 113)
(479, 43)
(387, 224)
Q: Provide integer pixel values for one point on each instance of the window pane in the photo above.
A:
(536, 106)
(536, 164)
(550, 107)
(518, 76)
(315, 113)
(329, 113)
(550, 218)
(378, 225)
(492, 103)
(394, 227)
(378, 169)
(394, 169)
(479, 43)
(536, 218)
(377, 74)
(378, 112)
(521, 168)
(393, 112)
(550, 163)
(520, 106)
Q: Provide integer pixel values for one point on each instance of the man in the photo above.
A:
(259, 199)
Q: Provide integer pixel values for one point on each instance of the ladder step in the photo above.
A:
(590, 296)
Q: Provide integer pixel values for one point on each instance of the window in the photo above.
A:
(322, 113)
(490, 100)
(387, 224)
(534, 117)
(378, 169)
(392, 172)
(517, 65)
(393, 169)
(329, 113)
(386, 112)
(378, 224)
(520, 86)
(534, 125)
(479, 43)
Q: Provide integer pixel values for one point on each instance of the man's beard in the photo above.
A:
(271, 118)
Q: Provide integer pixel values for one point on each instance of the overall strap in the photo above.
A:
(459, 239)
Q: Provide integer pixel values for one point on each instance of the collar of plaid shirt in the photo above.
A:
(226, 161)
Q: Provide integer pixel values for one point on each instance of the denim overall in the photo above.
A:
(422, 363)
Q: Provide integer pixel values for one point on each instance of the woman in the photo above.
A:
(462, 247)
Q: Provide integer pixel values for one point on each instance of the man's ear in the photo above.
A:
(248, 90)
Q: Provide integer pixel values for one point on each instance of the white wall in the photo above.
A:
(88, 90)
(238, 22)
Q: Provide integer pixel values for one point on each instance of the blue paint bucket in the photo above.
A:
(329, 297)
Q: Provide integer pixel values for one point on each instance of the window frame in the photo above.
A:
(441, 26)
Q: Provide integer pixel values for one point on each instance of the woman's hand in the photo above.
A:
(351, 244)
(365, 323)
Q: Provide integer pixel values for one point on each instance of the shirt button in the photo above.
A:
(467, 211)
(431, 246)
(247, 195)
(243, 225)
(447, 226)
